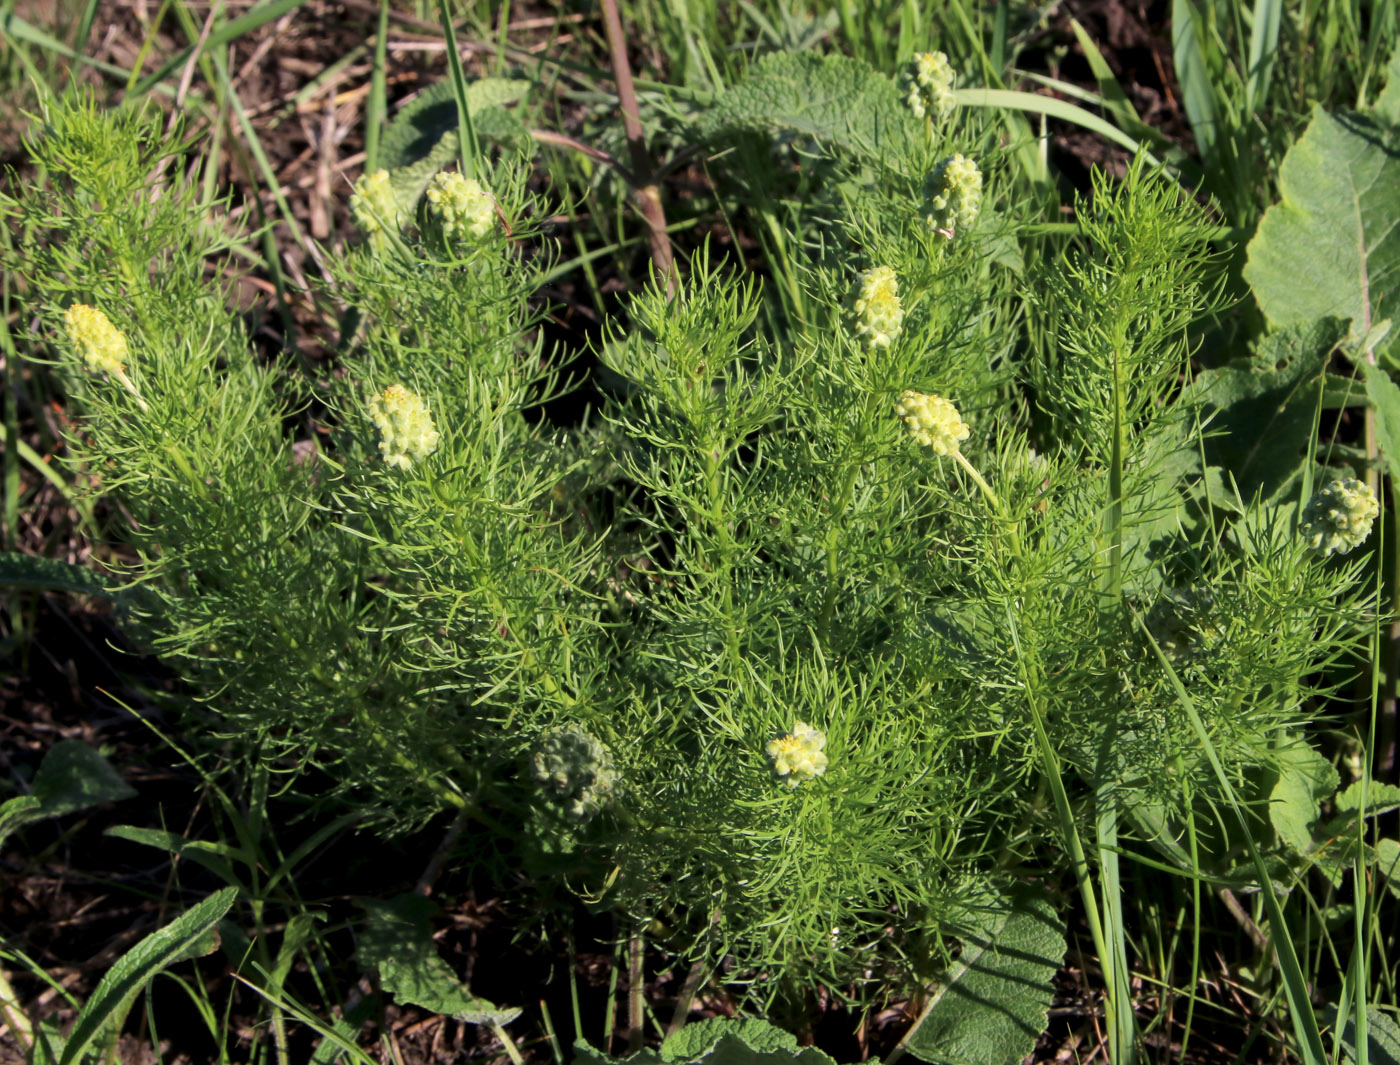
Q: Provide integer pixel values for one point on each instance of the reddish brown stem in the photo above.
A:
(643, 183)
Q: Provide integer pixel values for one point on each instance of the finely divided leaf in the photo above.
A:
(994, 1003)
(1331, 247)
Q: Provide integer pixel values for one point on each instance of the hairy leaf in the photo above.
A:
(1382, 1037)
(398, 941)
(1304, 778)
(72, 777)
(1261, 408)
(190, 935)
(993, 1005)
(50, 575)
(1330, 247)
(836, 100)
(718, 1041)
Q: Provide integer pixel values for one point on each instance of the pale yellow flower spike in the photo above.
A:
(374, 206)
(932, 421)
(405, 426)
(798, 755)
(927, 84)
(97, 340)
(879, 313)
(465, 208)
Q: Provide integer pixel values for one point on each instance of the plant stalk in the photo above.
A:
(644, 185)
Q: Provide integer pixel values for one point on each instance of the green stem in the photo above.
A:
(838, 514)
(719, 523)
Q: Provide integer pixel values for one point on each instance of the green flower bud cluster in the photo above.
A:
(576, 769)
(374, 206)
(797, 755)
(952, 194)
(927, 84)
(1338, 518)
(405, 425)
(1182, 625)
(97, 340)
(878, 312)
(465, 209)
(932, 421)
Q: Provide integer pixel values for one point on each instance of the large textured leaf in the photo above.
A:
(1385, 401)
(1261, 408)
(1331, 247)
(1382, 1037)
(719, 1041)
(423, 137)
(1388, 104)
(993, 1005)
(190, 935)
(398, 941)
(835, 100)
(1304, 778)
(72, 777)
(50, 575)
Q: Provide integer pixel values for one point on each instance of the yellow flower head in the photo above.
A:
(405, 425)
(374, 206)
(465, 208)
(952, 194)
(879, 314)
(98, 341)
(798, 755)
(1339, 517)
(927, 84)
(932, 421)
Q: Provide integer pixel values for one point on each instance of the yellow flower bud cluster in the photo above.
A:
(798, 755)
(374, 206)
(879, 314)
(952, 194)
(578, 771)
(97, 340)
(927, 84)
(464, 207)
(932, 421)
(405, 426)
(1339, 517)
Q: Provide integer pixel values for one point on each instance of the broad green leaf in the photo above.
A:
(1388, 864)
(1380, 798)
(993, 1004)
(1304, 778)
(218, 858)
(1387, 107)
(719, 1041)
(1331, 247)
(1260, 409)
(190, 935)
(417, 131)
(72, 777)
(1382, 1037)
(1385, 401)
(50, 575)
(398, 941)
(835, 100)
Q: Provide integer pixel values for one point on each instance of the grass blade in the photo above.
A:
(1263, 47)
(1193, 74)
